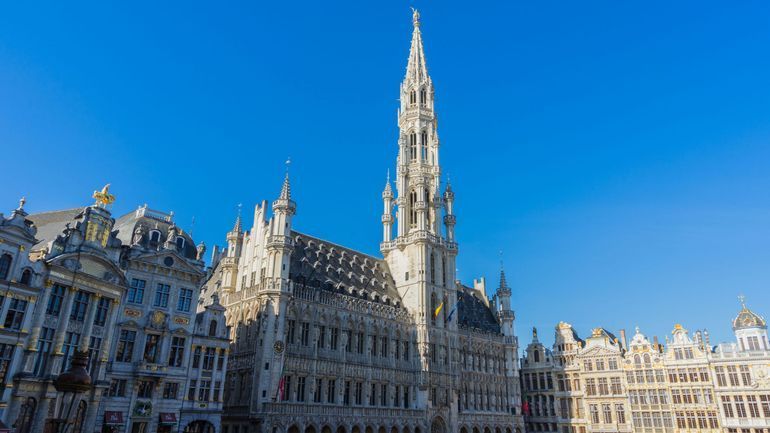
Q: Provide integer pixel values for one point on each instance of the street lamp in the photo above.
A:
(70, 384)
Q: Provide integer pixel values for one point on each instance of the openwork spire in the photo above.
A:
(238, 227)
(416, 68)
(285, 189)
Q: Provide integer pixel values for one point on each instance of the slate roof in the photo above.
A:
(325, 265)
(474, 313)
(51, 224)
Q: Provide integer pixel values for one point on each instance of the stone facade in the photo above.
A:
(330, 339)
(604, 384)
(125, 291)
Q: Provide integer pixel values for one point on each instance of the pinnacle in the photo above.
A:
(285, 189)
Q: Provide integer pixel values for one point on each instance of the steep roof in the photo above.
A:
(322, 264)
(474, 313)
(52, 224)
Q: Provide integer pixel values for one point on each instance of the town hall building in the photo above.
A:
(329, 339)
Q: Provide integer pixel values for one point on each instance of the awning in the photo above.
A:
(167, 418)
(111, 417)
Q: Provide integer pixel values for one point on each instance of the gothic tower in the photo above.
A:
(422, 255)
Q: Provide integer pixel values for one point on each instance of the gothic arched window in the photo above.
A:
(5, 266)
(423, 96)
(443, 270)
(432, 308)
(424, 143)
(432, 268)
(412, 210)
(412, 97)
(413, 146)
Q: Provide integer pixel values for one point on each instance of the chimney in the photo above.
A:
(623, 342)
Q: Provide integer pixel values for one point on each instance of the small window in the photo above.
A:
(155, 236)
(213, 328)
(26, 277)
(180, 243)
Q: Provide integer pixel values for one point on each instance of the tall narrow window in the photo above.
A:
(413, 146)
(5, 266)
(55, 301)
(102, 308)
(412, 209)
(432, 308)
(136, 291)
(424, 144)
(161, 295)
(80, 306)
(15, 315)
(432, 268)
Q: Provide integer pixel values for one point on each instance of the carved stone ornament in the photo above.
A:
(132, 313)
(278, 346)
(761, 376)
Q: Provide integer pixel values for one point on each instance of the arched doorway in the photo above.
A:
(293, 429)
(369, 429)
(310, 429)
(463, 430)
(438, 425)
(381, 429)
(202, 426)
(341, 429)
(355, 429)
(326, 429)
(394, 429)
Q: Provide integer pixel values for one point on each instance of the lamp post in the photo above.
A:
(70, 384)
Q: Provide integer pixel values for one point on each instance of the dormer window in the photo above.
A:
(155, 236)
(180, 243)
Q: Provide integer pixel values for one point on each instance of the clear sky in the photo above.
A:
(616, 152)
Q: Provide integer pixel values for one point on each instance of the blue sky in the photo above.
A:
(616, 152)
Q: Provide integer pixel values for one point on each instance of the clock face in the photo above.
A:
(278, 346)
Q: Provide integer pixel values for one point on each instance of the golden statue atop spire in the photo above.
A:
(416, 17)
(103, 197)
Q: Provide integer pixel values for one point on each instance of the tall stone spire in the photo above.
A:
(416, 68)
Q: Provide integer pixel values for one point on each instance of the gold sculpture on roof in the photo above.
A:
(415, 17)
(103, 197)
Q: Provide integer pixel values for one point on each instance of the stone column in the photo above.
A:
(85, 338)
(64, 317)
(61, 330)
(37, 323)
(109, 333)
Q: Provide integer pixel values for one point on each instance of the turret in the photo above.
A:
(387, 211)
(504, 312)
(279, 242)
(235, 237)
(750, 329)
